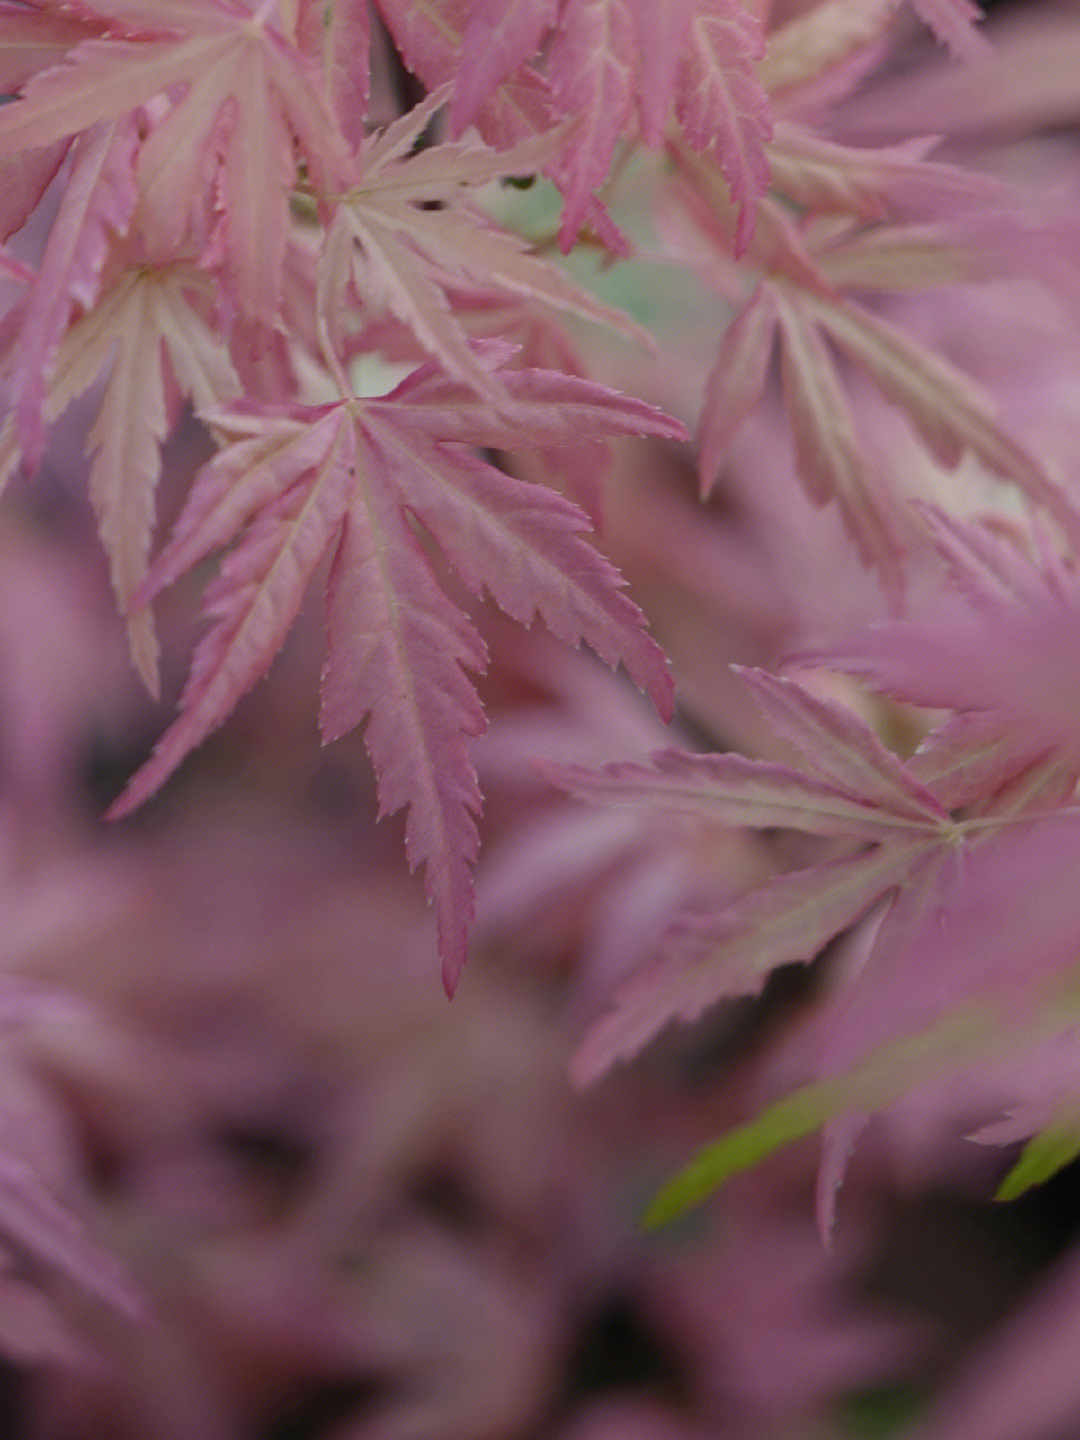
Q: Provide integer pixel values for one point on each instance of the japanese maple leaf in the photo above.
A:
(98, 198)
(695, 57)
(349, 480)
(141, 315)
(606, 61)
(799, 308)
(1000, 645)
(935, 909)
(410, 235)
(238, 89)
(973, 975)
(851, 790)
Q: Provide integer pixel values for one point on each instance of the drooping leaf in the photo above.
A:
(998, 644)
(418, 237)
(247, 91)
(122, 336)
(852, 788)
(398, 651)
(98, 198)
(293, 484)
(973, 968)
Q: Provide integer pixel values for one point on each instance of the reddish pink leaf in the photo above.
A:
(708, 958)
(98, 198)
(857, 790)
(397, 648)
(230, 67)
(522, 542)
(255, 600)
(840, 748)
(335, 34)
(733, 790)
(293, 481)
(500, 35)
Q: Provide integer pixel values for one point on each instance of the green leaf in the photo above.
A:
(1042, 1157)
(881, 1078)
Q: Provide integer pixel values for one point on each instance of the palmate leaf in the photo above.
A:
(142, 315)
(248, 94)
(412, 235)
(1000, 640)
(606, 60)
(851, 789)
(298, 483)
(943, 994)
(99, 197)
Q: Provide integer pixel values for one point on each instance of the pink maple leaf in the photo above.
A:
(998, 644)
(405, 233)
(247, 94)
(697, 58)
(851, 789)
(606, 59)
(141, 315)
(348, 479)
(99, 196)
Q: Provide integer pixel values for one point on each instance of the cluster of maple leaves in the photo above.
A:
(219, 218)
